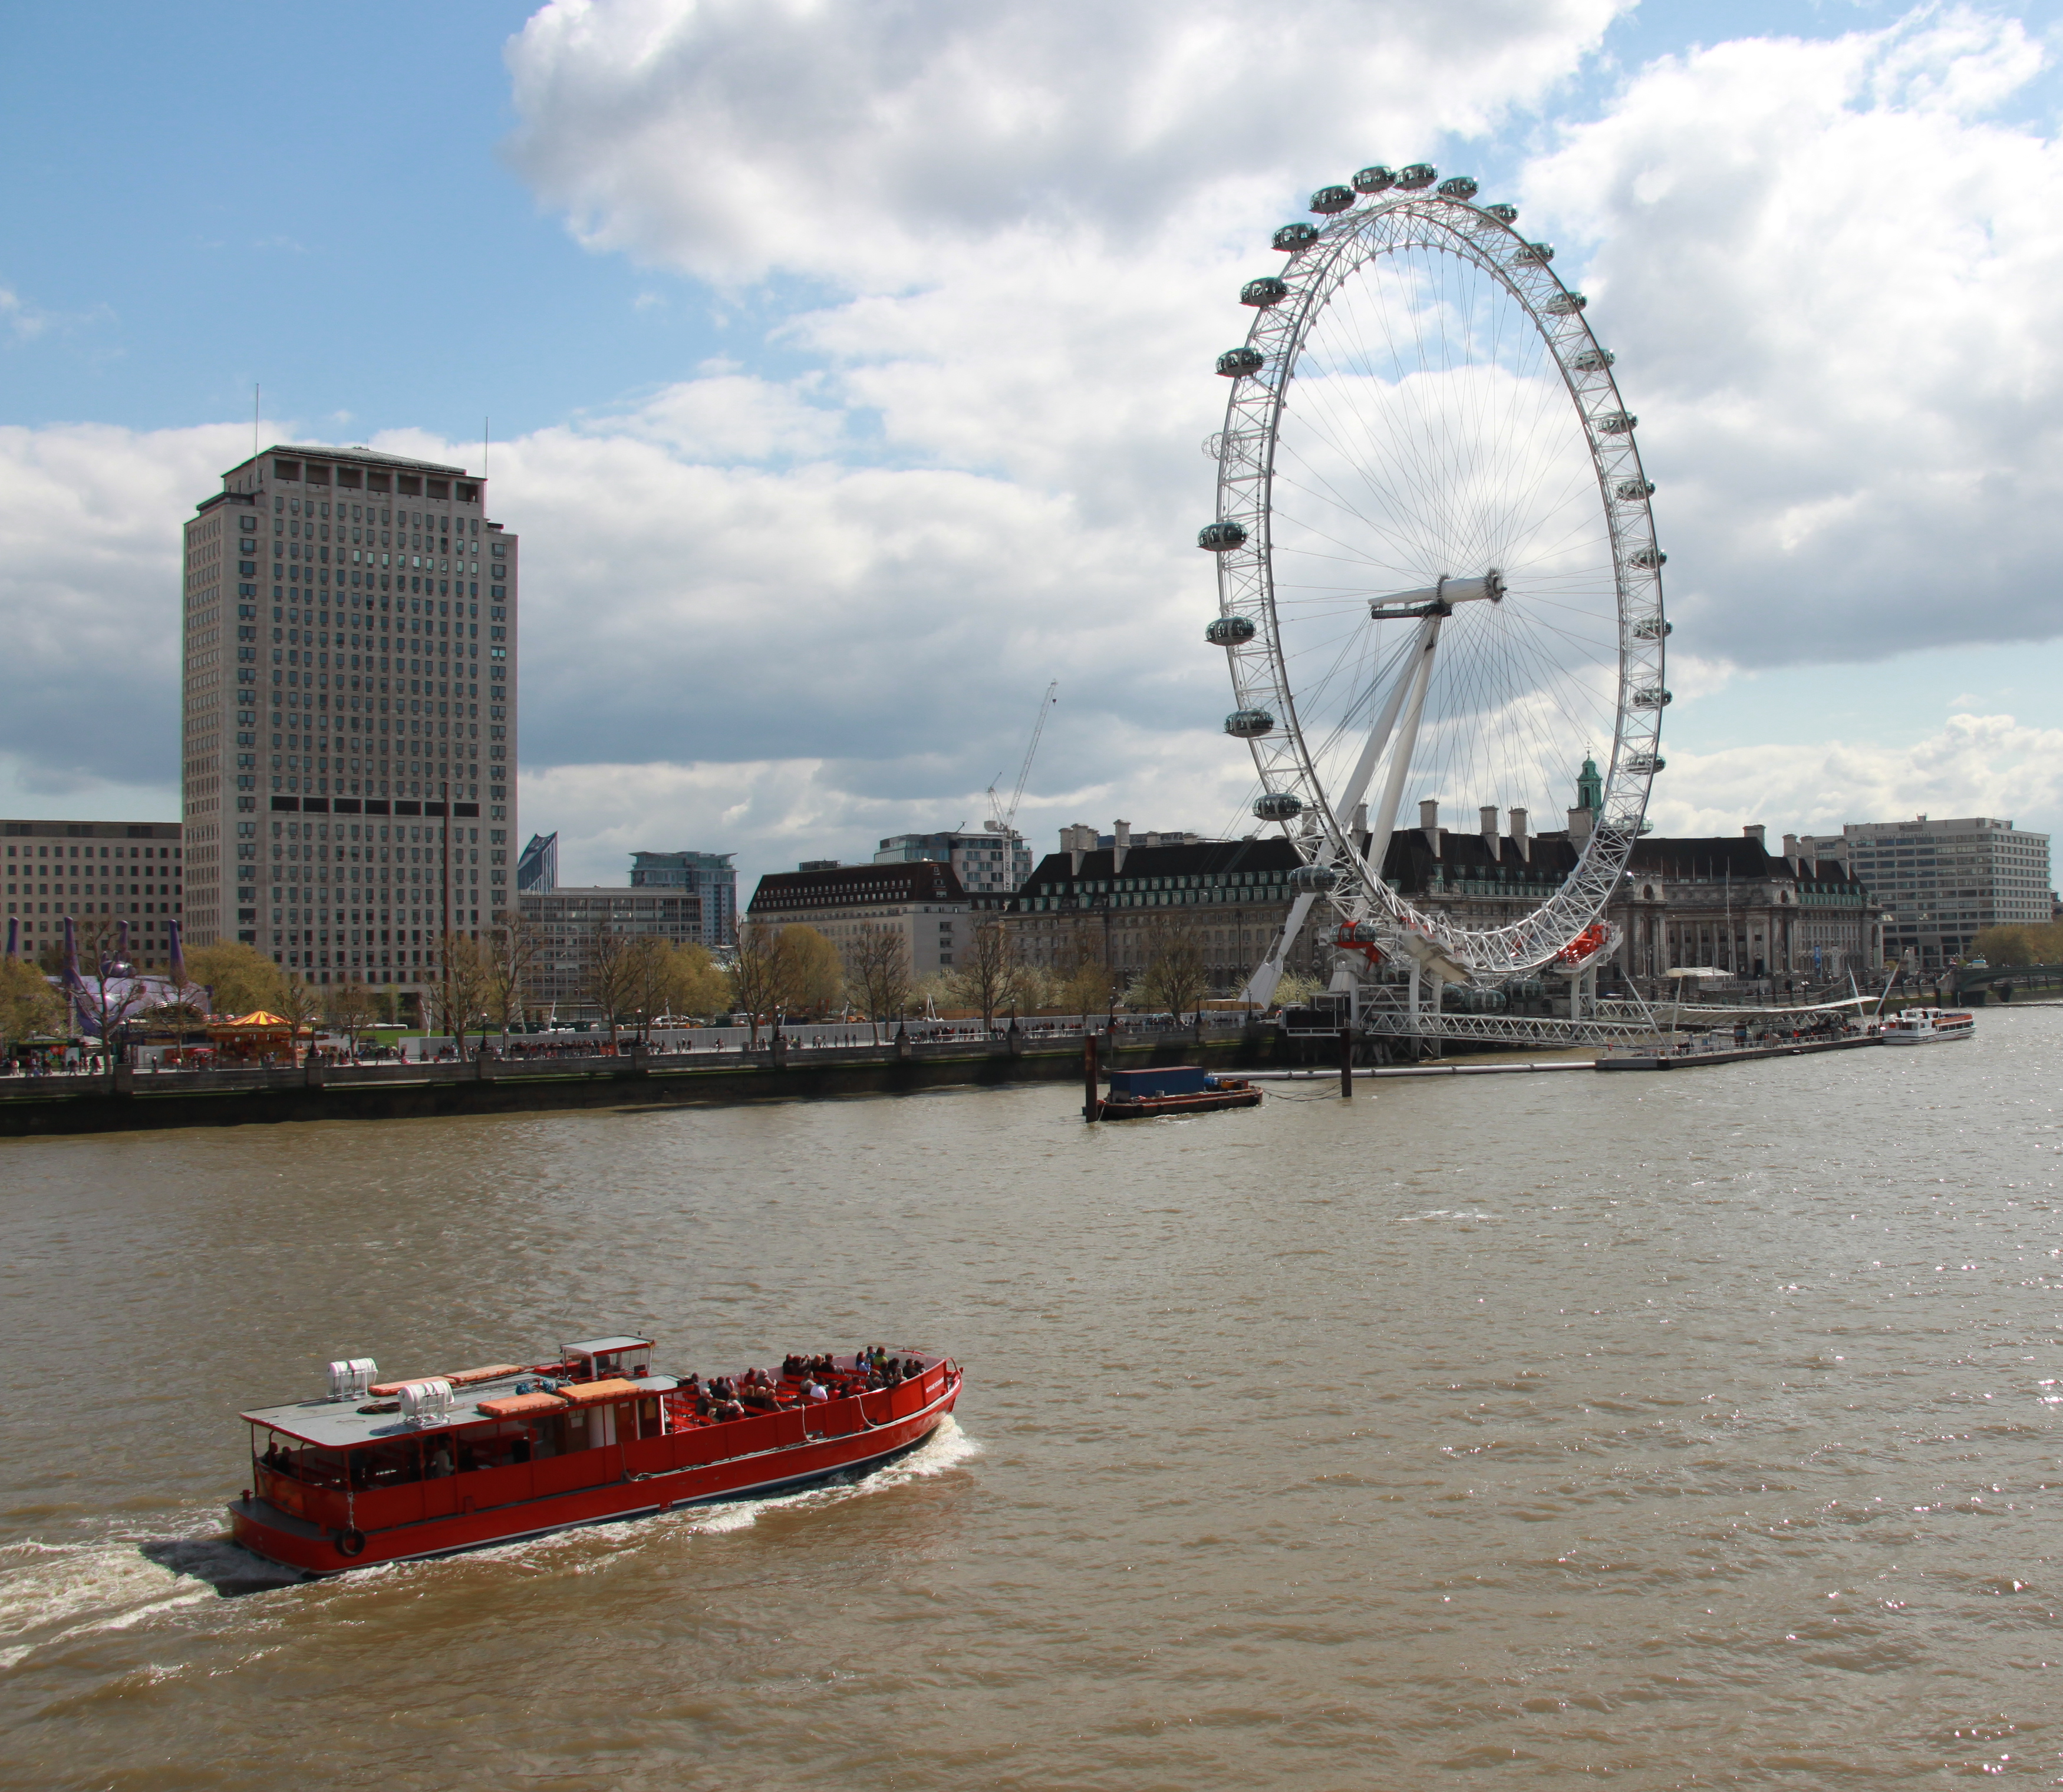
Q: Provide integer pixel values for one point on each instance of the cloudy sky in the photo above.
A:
(846, 366)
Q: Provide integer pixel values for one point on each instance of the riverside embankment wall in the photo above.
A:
(131, 1101)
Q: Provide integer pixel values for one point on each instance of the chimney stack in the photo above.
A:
(1579, 828)
(1360, 826)
(1428, 822)
(1755, 831)
(1122, 830)
(1518, 835)
(1077, 842)
(1488, 814)
(1791, 847)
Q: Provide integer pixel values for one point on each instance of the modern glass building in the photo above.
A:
(710, 878)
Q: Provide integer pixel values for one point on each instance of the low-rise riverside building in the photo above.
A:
(1720, 902)
(1116, 904)
(1725, 903)
(922, 900)
(1942, 882)
(569, 919)
(93, 871)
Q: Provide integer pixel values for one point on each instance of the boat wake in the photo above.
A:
(55, 1593)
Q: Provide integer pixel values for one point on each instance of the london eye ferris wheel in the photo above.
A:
(1438, 575)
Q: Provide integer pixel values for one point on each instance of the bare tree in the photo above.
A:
(1087, 985)
(877, 973)
(755, 974)
(994, 976)
(460, 993)
(512, 963)
(651, 982)
(295, 1003)
(612, 976)
(104, 998)
(1176, 977)
(349, 1011)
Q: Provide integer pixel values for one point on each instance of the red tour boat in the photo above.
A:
(392, 1471)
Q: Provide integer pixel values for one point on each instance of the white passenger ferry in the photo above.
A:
(1927, 1026)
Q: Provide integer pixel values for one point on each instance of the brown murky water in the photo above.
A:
(1698, 1430)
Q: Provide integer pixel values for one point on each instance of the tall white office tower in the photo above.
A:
(349, 717)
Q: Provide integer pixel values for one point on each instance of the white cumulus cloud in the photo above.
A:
(1835, 283)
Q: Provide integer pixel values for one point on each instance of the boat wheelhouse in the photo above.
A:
(393, 1471)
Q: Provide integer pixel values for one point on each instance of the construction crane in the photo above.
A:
(1000, 817)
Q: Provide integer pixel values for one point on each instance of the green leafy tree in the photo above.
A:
(238, 978)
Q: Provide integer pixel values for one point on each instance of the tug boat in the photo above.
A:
(1927, 1026)
(395, 1471)
(1175, 1089)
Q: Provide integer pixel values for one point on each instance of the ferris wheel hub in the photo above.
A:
(1438, 599)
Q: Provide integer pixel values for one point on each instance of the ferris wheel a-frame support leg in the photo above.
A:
(1407, 696)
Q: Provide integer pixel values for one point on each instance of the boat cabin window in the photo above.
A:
(303, 1462)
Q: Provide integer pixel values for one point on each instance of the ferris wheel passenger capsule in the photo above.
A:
(1293, 237)
(1220, 538)
(1329, 200)
(1654, 697)
(1279, 805)
(1537, 254)
(1249, 725)
(1235, 362)
(1230, 631)
(1651, 559)
(1374, 180)
(1418, 177)
(1653, 627)
(1460, 188)
(1265, 291)
(1313, 880)
(1565, 304)
(1632, 491)
(1617, 422)
(1503, 214)
(1593, 360)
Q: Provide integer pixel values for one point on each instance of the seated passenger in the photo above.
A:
(814, 1390)
(728, 1409)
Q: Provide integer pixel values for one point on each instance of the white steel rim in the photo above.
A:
(1261, 673)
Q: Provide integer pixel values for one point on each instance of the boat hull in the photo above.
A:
(282, 1537)
(1149, 1107)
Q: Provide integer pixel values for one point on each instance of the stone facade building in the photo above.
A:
(921, 899)
(1725, 903)
(1114, 903)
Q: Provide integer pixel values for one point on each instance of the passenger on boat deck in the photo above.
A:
(728, 1409)
(815, 1389)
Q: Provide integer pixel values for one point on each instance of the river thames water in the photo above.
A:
(1696, 1430)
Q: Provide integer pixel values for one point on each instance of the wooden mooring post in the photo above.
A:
(1346, 1063)
(1092, 1091)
